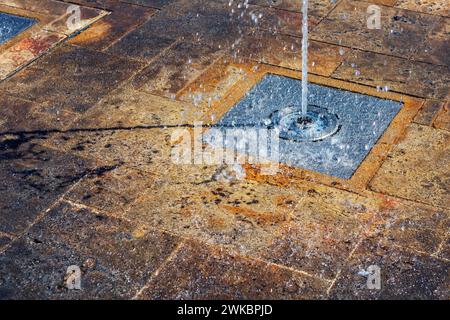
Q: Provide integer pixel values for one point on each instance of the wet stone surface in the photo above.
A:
(200, 272)
(115, 261)
(417, 169)
(404, 275)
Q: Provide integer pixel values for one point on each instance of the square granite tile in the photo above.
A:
(199, 272)
(417, 168)
(114, 259)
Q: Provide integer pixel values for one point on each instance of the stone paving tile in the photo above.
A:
(71, 78)
(213, 85)
(32, 179)
(180, 65)
(25, 50)
(112, 191)
(201, 272)
(445, 251)
(404, 275)
(326, 227)
(400, 31)
(114, 259)
(442, 120)
(147, 150)
(405, 76)
(426, 6)
(428, 112)
(127, 108)
(104, 33)
(436, 47)
(410, 225)
(285, 51)
(138, 44)
(417, 168)
(318, 8)
(242, 215)
(159, 4)
(19, 115)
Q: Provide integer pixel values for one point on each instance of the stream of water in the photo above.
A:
(305, 58)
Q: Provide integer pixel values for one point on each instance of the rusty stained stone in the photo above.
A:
(426, 6)
(214, 84)
(285, 51)
(242, 215)
(400, 31)
(123, 18)
(202, 272)
(395, 74)
(404, 275)
(442, 120)
(326, 227)
(181, 64)
(111, 191)
(417, 168)
(25, 50)
(428, 112)
(71, 78)
(114, 261)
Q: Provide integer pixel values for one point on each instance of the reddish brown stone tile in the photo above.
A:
(180, 65)
(25, 50)
(404, 275)
(428, 112)
(107, 31)
(442, 120)
(417, 168)
(405, 76)
(426, 6)
(201, 272)
(400, 31)
(115, 261)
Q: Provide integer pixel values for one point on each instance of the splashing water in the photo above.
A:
(305, 58)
